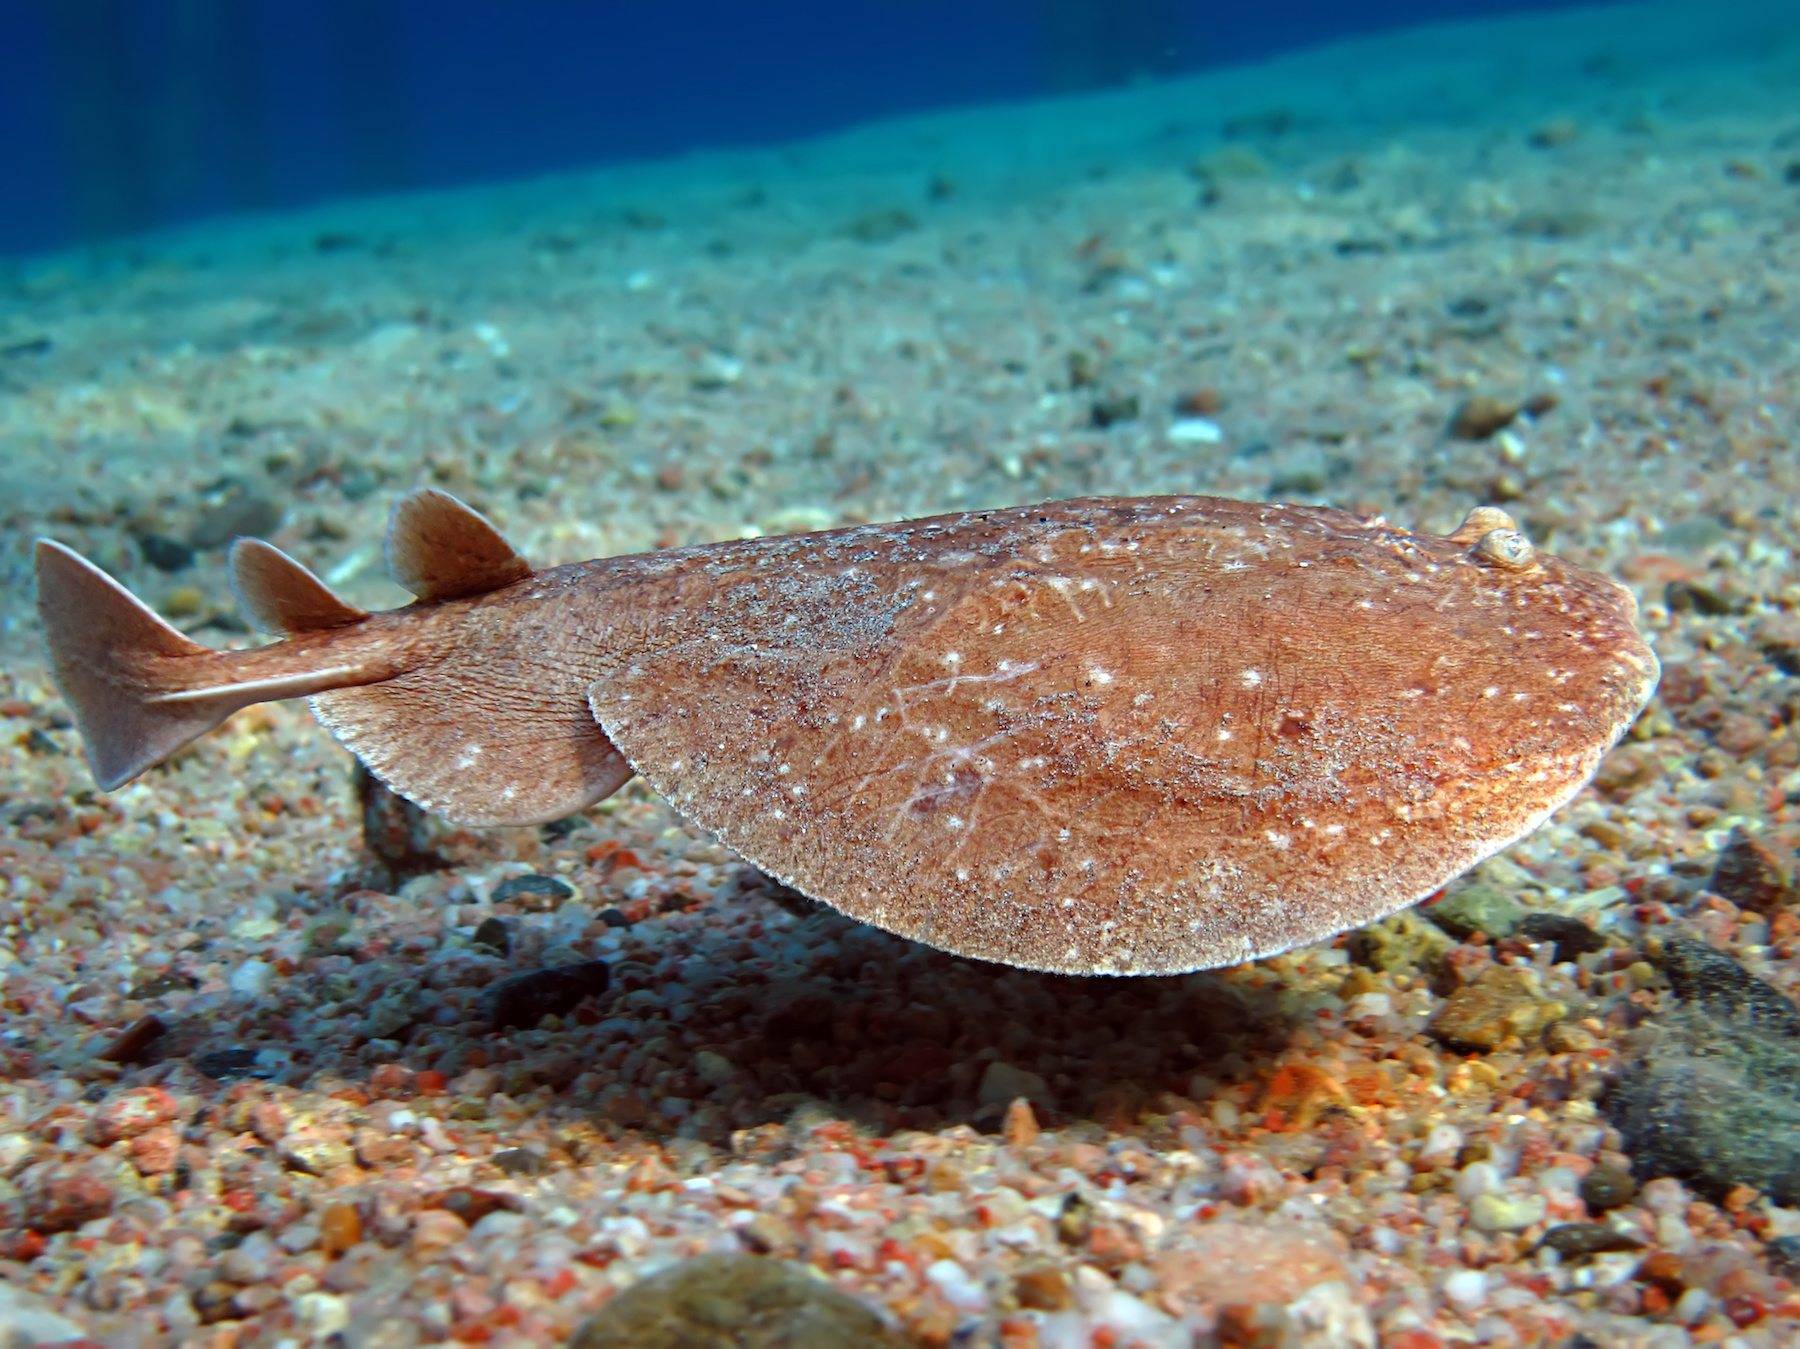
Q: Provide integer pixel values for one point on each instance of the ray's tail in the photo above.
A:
(140, 690)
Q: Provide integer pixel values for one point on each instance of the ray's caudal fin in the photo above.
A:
(461, 702)
(140, 690)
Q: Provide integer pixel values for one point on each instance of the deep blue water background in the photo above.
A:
(120, 115)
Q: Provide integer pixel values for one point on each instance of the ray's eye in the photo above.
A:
(1506, 548)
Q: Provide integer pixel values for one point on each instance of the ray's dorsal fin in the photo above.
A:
(441, 549)
(281, 595)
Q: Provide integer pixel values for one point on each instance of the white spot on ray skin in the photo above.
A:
(1251, 678)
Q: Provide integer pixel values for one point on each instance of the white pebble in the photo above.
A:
(1196, 431)
(1466, 1289)
(252, 978)
(1477, 1178)
(953, 1281)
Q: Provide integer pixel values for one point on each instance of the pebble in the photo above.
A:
(1506, 1002)
(1466, 1289)
(252, 978)
(1755, 874)
(1196, 431)
(26, 1320)
(1607, 1187)
(526, 999)
(132, 1113)
(1584, 1239)
(534, 893)
(1480, 416)
(1476, 907)
(1499, 1212)
(1568, 936)
(1715, 1099)
(733, 1302)
(713, 1068)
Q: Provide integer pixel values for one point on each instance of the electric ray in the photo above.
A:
(1139, 735)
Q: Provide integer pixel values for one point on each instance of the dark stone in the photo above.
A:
(165, 553)
(1569, 937)
(1753, 874)
(1579, 1239)
(236, 512)
(1691, 597)
(1712, 981)
(1607, 1187)
(494, 934)
(1784, 1256)
(526, 999)
(1112, 408)
(1713, 1097)
(165, 981)
(734, 1302)
(225, 1064)
(879, 226)
(520, 1161)
(534, 893)
(614, 917)
(398, 837)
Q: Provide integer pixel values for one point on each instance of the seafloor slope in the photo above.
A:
(251, 1085)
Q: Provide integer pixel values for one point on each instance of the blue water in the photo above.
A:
(125, 115)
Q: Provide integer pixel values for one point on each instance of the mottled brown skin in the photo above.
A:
(1106, 735)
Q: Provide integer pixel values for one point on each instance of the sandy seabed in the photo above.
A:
(252, 1088)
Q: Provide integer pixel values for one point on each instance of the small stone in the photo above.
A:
(520, 1161)
(436, 1229)
(733, 1302)
(1607, 1187)
(1480, 416)
(1695, 597)
(154, 1153)
(225, 1064)
(768, 1233)
(493, 935)
(340, 1228)
(1111, 408)
(1501, 1212)
(1020, 1127)
(1195, 431)
(1476, 907)
(1754, 874)
(1001, 1083)
(27, 1320)
(1404, 941)
(165, 553)
(1507, 1001)
(65, 1200)
(1713, 981)
(534, 893)
(712, 1068)
(881, 225)
(1043, 1288)
(1784, 1256)
(1569, 937)
(1557, 131)
(316, 1155)
(1584, 1239)
(131, 1113)
(471, 1204)
(526, 999)
(234, 512)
